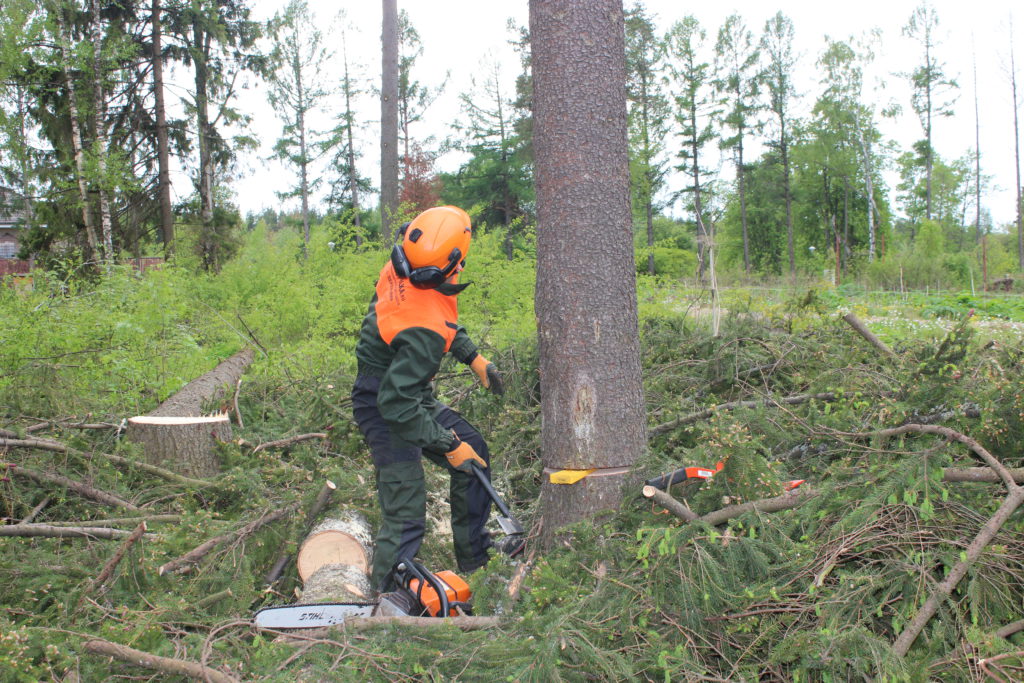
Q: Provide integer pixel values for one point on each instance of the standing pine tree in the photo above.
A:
(696, 109)
(933, 92)
(389, 121)
(777, 46)
(295, 92)
(737, 82)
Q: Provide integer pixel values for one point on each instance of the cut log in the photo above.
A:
(186, 445)
(342, 540)
(337, 583)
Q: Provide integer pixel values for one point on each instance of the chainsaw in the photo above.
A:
(414, 589)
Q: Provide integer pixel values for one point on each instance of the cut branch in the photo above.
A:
(78, 487)
(786, 501)
(47, 531)
(111, 565)
(284, 443)
(58, 447)
(189, 560)
(979, 474)
(863, 331)
(943, 590)
(178, 667)
(669, 503)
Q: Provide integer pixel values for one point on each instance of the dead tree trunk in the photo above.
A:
(334, 560)
(177, 436)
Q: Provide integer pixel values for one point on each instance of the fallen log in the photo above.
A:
(177, 667)
(189, 560)
(78, 487)
(208, 392)
(345, 539)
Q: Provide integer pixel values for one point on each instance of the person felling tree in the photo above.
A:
(411, 324)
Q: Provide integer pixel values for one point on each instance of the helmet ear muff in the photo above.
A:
(400, 262)
(427, 277)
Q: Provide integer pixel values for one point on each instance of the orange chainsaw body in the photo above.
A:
(455, 587)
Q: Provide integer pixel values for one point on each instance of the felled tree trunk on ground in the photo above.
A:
(177, 436)
(335, 559)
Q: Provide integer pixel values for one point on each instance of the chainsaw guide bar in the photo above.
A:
(311, 616)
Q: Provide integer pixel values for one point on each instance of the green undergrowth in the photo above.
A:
(815, 593)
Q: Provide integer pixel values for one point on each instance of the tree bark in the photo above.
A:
(1016, 156)
(163, 151)
(209, 392)
(389, 121)
(99, 130)
(592, 400)
(50, 531)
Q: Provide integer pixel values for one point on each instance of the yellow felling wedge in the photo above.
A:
(569, 476)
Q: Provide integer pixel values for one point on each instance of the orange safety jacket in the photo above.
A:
(404, 337)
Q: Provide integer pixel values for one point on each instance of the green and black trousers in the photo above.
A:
(401, 490)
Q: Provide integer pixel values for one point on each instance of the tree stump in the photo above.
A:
(176, 436)
(186, 445)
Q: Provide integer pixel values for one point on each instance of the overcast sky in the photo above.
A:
(461, 35)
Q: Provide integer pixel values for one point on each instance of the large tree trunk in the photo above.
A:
(389, 122)
(163, 152)
(177, 436)
(592, 400)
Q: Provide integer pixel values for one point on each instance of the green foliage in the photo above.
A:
(814, 593)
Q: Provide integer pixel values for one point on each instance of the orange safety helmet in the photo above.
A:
(433, 246)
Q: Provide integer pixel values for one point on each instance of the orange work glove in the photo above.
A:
(462, 456)
(488, 374)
